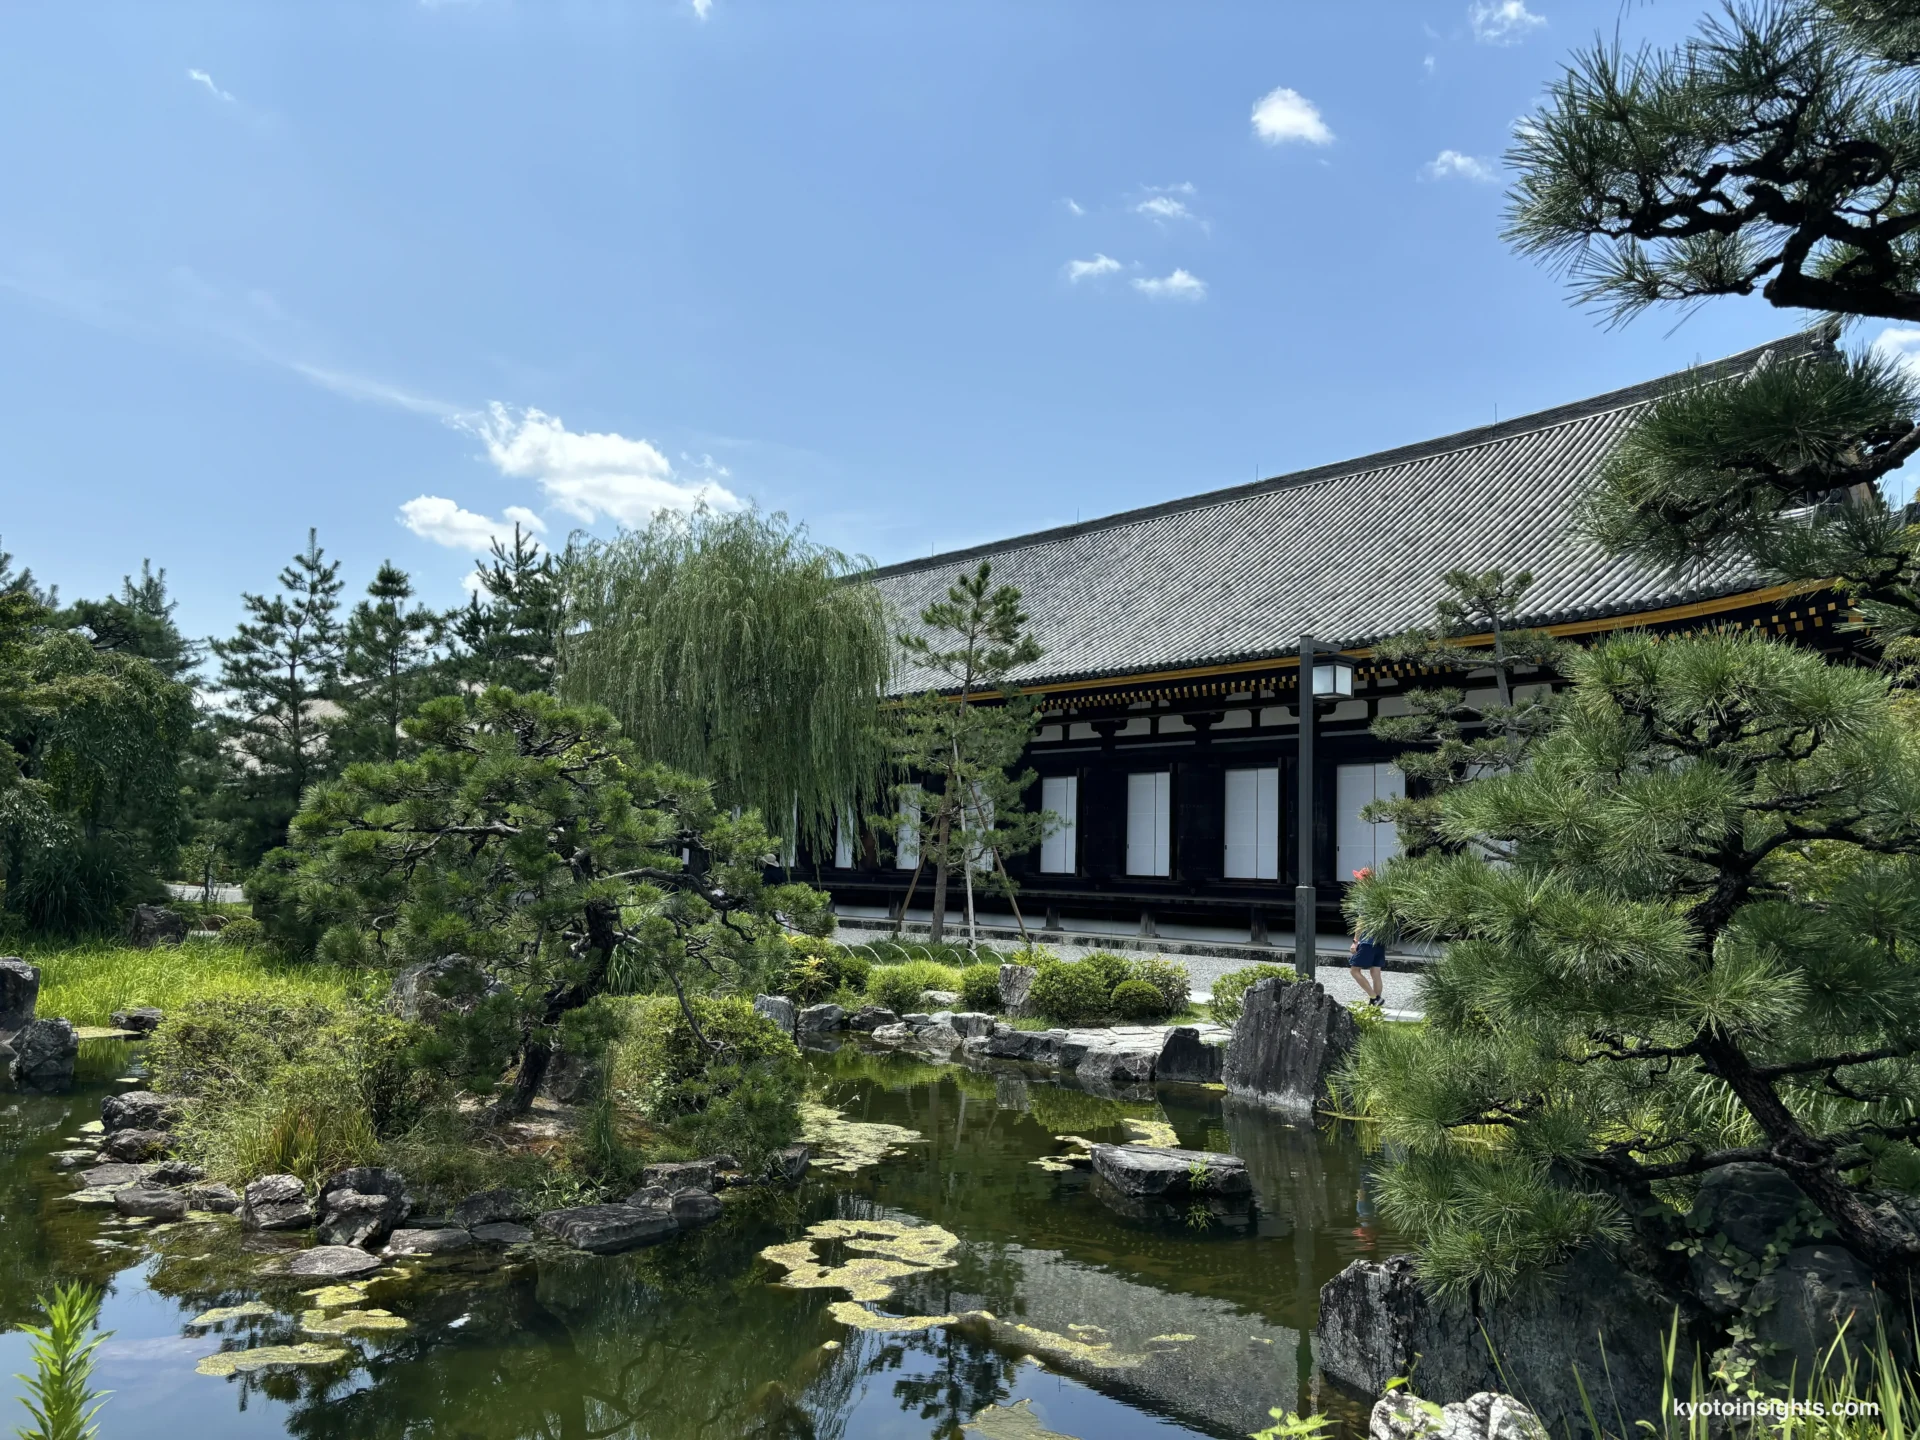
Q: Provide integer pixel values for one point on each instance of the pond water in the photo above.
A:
(1103, 1325)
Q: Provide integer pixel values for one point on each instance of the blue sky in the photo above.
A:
(920, 274)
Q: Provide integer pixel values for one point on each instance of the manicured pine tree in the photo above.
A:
(138, 621)
(280, 674)
(387, 666)
(964, 803)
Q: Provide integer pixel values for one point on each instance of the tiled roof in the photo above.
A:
(1347, 552)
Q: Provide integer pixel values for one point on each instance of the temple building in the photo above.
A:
(1170, 737)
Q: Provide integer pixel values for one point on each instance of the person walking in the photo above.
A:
(1366, 956)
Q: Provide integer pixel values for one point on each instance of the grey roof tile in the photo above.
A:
(1347, 552)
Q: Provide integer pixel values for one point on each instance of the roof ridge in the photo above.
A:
(1803, 342)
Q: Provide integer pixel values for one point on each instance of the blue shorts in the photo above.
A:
(1368, 955)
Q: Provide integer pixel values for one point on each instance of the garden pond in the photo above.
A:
(1036, 1308)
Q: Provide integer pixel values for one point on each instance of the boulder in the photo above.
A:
(276, 1202)
(1154, 1171)
(939, 999)
(1376, 1319)
(142, 1019)
(492, 1207)
(788, 1166)
(19, 993)
(606, 1229)
(153, 1201)
(1185, 1057)
(501, 1232)
(333, 1262)
(898, 1033)
(681, 1175)
(820, 1019)
(428, 1242)
(871, 1018)
(141, 1110)
(1016, 984)
(1751, 1204)
(936, 1039)
(453, 984)
(1040, 1047)
(1486, 1415)
(972, 1023)
(216, 1199)
(175, 1173)
(572, 1079)
(135, 1145)
(776, 1008)
(112, 1177)
(1117, 1065)
(43, 1055)
(1289, 1040)
(916, 1019)
(73, 1159)
(151, 925)
(693, 1208)
(1799, 1309)
(354, 1217)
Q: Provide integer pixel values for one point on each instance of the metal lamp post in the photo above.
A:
(1324, 675)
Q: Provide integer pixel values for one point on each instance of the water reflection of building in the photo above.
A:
(1170, 679)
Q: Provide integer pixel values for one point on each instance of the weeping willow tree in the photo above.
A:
(733, 647)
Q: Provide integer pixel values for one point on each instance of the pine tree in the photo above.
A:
(966, 738)
(387, 666)
(138, 621)
(280, 673)
(1448, 740)
(511, 637)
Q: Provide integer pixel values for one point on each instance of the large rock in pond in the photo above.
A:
(361, 1206)
(1117, 1064)
(333, 1262)
(114, 1177)
(607, 1229)
(153, 1202)
(1289, 1040)
(972, 1023)
(1038, 1047)
(215, 1199)
(1376, 1319)
(682, 1175)
(1157, 1172)
(1016, 985)
(19, 993)
(141, 1110)
(43, 1055)
(1488, 1415)
(492, 1207)
(693, 1207)
(1185, 1057)
(871, 1017)
(136, 1145)
(820, 1020)
(1800, 1308)
(151, 925)
(453, 984)
(788, 1166)
(141, 1020)
(442, 1240)
(776, 1008)
(276, 1202)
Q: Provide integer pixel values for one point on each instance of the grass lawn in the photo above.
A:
(87, 981)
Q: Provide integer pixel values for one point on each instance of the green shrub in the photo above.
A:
(1111, 968)
(1071, 991)
(899, 987)
(1230, 989)
(980, 988)
(1138, 1000)
(741, 1097)
(244, 933)
(819, 969)
(1168, 979)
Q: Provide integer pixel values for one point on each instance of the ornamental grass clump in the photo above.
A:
(980, 988)
(899, 987)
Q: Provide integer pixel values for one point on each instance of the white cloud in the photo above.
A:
(1078, 270)
(1164, 207)
(361, 387)
(1178, 286)
(701, 7)
(1427, 63)
(1282, 115)
(589, 474)
(1502, 22)
(436, 518)
(1900, 344)
(1452, 165)
(1073, 206)
(201, 77)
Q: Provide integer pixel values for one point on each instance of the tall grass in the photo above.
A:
(86, 982)
(60, 1395)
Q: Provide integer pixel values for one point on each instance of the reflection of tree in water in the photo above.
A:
(43, 1238)
(966, 1376)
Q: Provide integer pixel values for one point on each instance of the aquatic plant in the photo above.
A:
(60, 1395)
